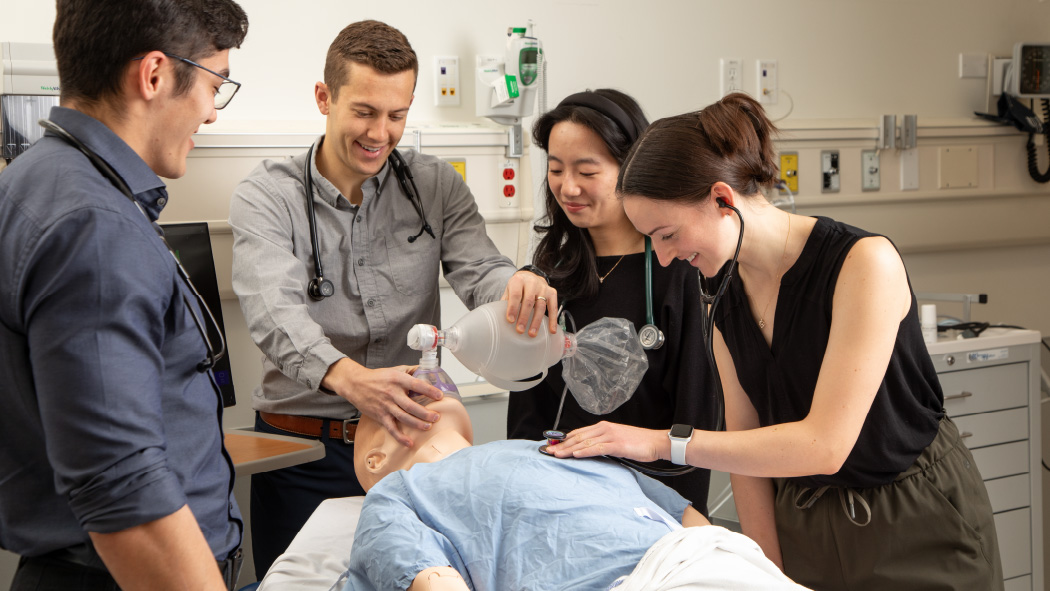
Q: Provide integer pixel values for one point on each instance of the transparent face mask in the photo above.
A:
(608, 365)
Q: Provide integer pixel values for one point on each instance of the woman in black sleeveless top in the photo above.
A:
(846, 470)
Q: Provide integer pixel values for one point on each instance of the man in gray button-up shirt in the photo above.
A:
(381, 255)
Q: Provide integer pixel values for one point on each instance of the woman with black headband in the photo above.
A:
(595, 258)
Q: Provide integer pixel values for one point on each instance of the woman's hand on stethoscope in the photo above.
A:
(613, 439)
(527, 291)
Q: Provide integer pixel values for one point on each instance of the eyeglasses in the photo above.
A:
(226, 90)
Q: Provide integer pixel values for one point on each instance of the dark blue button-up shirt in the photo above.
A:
(105, 424)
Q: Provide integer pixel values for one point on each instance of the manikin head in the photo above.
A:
(377, 453)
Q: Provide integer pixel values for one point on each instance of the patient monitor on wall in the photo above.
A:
(507, 85)
(1021, 83)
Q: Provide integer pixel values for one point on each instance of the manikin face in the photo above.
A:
(365, 122)
(377, 453)
(699, 233)
(183, 116)
(582, 175)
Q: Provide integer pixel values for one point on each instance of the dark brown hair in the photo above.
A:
(95, 39)
(679, 158)
(370, 43)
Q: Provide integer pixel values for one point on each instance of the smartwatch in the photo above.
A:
(680, 435)
(535, 271)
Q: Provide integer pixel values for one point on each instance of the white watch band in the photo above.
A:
(678, 447)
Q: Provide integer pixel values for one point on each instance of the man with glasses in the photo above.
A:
(112, 467)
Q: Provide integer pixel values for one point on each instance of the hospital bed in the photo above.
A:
(320, 552)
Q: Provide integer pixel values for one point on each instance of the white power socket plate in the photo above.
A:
(446, 80)
(767, 82)
(731, 78)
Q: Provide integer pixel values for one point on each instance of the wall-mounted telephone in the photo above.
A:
(1027, 77)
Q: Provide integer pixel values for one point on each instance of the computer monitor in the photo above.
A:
(192, 245)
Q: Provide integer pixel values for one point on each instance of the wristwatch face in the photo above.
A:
(681, 431)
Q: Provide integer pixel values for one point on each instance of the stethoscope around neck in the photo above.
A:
(650, 335)
(320, 288)
(107, 171)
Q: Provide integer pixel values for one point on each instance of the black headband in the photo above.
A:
(606, 107)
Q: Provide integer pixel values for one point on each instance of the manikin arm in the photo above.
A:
(439, 578)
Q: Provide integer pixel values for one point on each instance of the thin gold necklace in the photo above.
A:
(780, 270)
(601, 278)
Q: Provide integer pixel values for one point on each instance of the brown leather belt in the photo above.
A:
(344, 429)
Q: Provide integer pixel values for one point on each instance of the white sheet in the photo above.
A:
(706, 558)
(320, 551)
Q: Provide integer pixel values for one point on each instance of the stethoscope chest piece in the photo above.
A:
(553, 438)
(651, 337)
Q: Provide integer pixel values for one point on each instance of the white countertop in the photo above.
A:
(479, 390)
(990, 339)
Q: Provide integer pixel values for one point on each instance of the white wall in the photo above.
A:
(838, 59)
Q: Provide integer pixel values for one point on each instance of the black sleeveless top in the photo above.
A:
(780, 379)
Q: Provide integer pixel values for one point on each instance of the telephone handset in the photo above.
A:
(1028, 77)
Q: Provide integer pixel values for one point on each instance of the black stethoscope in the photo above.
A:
(320, 288)
(103, 167)
(708, 304)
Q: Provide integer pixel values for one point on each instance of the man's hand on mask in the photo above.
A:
(382, 394)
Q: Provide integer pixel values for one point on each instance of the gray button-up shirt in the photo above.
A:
(384, 284)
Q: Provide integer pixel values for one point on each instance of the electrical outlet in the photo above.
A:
(829, 170)
(870, 177)
(446, 81)
(509, 181)
(731, 79)
(973, 65)
(767, 82)
(789, 170)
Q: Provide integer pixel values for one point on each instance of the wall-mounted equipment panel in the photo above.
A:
(870, 177)
(789, 170)
(829, 171)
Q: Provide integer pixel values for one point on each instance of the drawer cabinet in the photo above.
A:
(991, 391)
